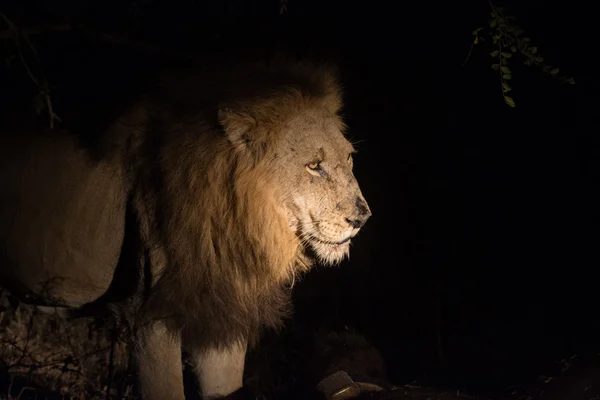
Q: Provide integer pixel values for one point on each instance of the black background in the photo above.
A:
(488, 212)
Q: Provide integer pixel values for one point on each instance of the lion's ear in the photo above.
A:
(237, 126)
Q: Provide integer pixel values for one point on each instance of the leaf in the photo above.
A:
(528, 62)
(570, 81)
(533, 49)
(506, 55)
(495, 53)
(505, 87)
(513, 49)
(509, 100)
(476, 31)
(507, 76)
(554, 72)
(476, 40)
(495, 67)
(506, 70)
(493, 23)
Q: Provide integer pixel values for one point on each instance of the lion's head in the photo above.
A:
(307, 160)
(313, 167)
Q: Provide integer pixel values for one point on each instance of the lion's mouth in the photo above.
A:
(330, 243)
(329, 252)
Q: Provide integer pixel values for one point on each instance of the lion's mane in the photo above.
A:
(210, 216)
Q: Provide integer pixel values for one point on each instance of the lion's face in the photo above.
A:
(324, 204)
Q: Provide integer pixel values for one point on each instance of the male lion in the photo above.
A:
(189, 217)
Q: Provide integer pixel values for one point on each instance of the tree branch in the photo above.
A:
(102, 36)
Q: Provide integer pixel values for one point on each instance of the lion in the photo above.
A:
(190, 217)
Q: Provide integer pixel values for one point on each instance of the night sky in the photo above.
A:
(486, 212)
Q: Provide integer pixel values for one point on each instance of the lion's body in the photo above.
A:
(61, 221)
(201, 195)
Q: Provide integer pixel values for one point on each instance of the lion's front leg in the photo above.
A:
(220, 371)
(158, 356)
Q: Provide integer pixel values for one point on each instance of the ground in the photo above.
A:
(44, 356)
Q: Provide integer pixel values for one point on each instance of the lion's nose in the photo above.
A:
(362, 215)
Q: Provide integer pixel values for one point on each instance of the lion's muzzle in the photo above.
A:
(361, 214)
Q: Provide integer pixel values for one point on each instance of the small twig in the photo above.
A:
(9, 34)
(468, 55)
(111, 359)
(122, 395)
(102, 36)
(43, 87)
(282, 7)
(27, 338)
(23, 389)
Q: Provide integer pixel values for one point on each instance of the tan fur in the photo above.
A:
(237, 177)
(215, 198)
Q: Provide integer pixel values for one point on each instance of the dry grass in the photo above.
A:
(42, 353)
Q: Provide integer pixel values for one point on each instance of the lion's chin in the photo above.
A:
(329, 253)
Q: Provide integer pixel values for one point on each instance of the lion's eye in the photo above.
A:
(314, 168)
